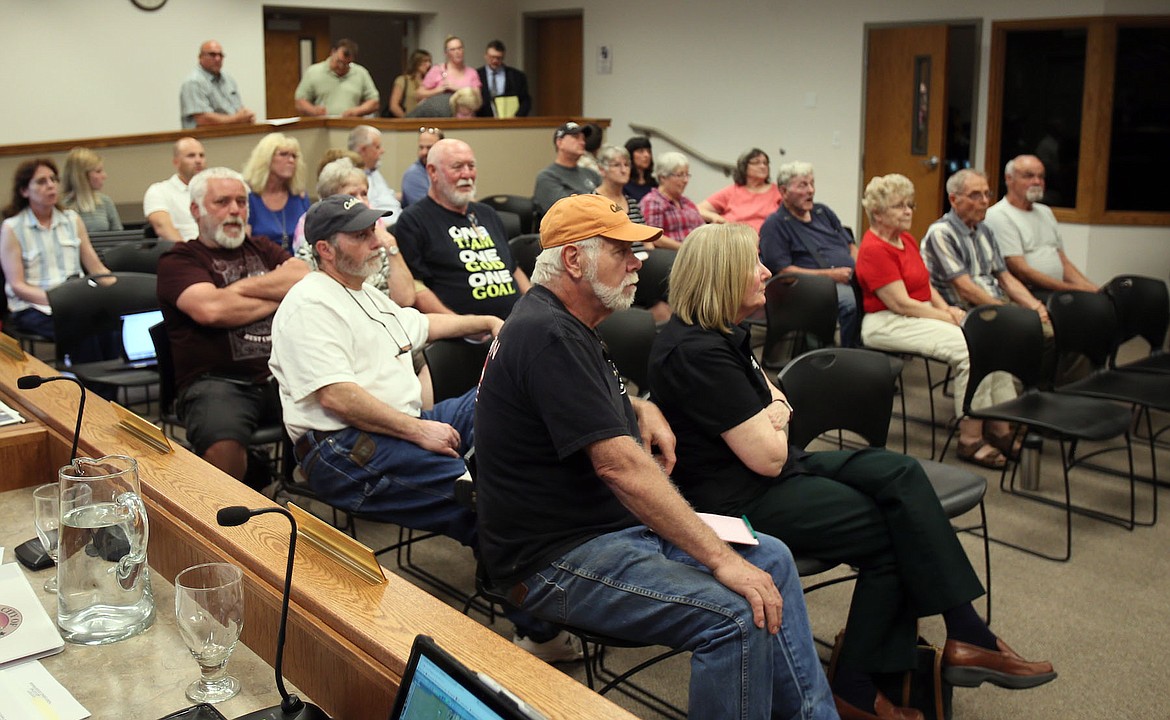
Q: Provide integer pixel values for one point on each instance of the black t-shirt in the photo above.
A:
(199, 349)
(548, 391)
(706, 383)
(463, 258)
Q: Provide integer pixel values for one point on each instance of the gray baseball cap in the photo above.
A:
(339, 213)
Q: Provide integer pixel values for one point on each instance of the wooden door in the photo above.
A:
(905, 113)
(282, 61)
(558, 88)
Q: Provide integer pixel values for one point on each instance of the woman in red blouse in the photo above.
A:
(903, 312)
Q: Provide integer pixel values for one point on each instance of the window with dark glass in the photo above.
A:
(1139, 144)
(1043, 91)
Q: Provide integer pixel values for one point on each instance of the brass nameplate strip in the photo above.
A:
(349, 553)
(148, 433)
(10, 346)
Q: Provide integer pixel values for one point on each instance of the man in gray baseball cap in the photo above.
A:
(564, 178)
(353, 405)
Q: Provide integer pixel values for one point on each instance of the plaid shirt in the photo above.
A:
(951, 249)
(677, 220)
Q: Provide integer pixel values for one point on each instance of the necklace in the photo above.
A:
(281, 218)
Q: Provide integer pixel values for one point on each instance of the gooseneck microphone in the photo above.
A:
(291, 707)
(30, 382)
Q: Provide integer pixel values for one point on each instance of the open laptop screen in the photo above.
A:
(136, 343)
(436, 685)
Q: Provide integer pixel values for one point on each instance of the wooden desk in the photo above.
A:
(143, 677)
(348, 641)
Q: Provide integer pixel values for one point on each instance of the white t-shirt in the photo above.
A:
(171, 195)
(1032, 233)
(324, 333)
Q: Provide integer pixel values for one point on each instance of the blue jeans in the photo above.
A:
(634, 585)
(395, 481)
(392, 480)
(849, 316)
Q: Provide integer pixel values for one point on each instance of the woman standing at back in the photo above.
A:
(404, 94)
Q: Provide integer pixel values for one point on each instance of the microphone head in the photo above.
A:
(28, 382)
(233, 515)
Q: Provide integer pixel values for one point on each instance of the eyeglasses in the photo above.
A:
(213, 54)
(976, 196)
(903, 206)
(681, 176)
(431, 130)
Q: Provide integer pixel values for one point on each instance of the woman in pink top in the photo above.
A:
(750, 199)
(904, 313)
(450, 75)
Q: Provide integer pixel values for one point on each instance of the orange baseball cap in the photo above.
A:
(580, 217)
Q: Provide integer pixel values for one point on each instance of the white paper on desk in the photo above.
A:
(30, 692)
(26, 632)
(730, 529)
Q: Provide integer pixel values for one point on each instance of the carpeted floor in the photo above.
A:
(1101, 618)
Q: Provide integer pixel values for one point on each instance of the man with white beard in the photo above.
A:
(353, 404)
(218, 294)
(1027, 234)
(457, 249)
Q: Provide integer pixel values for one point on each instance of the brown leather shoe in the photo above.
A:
(884, 709)
(967, 665)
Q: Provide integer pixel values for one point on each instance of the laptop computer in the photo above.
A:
(435, 685)
(137, 347)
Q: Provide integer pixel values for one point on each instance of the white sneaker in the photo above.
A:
(565, 647)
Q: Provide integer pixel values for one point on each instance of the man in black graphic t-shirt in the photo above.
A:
(217, 294)
(456, 248)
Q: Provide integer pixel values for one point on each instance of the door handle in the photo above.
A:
(931, 163)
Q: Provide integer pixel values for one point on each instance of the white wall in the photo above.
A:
(726, 76)
(723, 76)
(85, 68)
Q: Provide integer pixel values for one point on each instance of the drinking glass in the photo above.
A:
(209, 607)
(47, 517)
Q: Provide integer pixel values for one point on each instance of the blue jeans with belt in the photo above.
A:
(393, 480)
(634, 585)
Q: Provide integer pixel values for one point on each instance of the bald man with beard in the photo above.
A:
(457, 249)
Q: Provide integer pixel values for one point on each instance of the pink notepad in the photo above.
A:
(731, 529)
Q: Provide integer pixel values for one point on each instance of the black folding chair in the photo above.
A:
(1085, 324)
(524, 250)
(628, 336)
(1143, 310)
(799, 306)
(520, 205)
(852, 390)
(139, 257)
(92, 307)
(1005, 338)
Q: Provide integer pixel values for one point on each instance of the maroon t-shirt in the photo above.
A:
(240, 352)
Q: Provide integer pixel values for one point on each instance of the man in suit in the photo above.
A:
(500, 80)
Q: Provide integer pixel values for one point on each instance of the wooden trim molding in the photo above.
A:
(1096, 114)
(217, 131)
